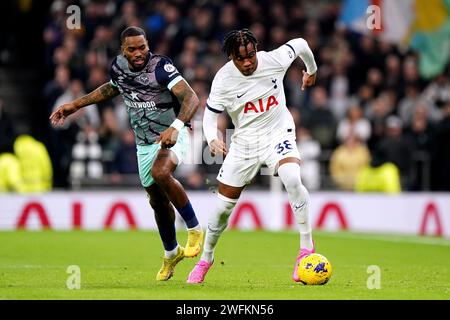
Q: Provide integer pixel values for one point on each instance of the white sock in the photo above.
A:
(217, 223)
(172, 253)
(299, 200)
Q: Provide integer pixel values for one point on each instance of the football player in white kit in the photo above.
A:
(250, 88)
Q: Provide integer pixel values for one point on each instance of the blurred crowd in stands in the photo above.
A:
(369, 110)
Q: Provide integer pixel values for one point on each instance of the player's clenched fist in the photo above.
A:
(168, 138)
(217, 147)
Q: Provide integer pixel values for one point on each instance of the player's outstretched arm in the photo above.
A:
(298, 47)
(104, 92)
(189, 105)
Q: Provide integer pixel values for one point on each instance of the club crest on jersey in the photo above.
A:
(169, 67)
(260, 105)
(143, 79)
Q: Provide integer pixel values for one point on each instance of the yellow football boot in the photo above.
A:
(168, 266)
(194, 243)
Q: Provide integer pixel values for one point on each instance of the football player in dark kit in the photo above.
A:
(159, 103)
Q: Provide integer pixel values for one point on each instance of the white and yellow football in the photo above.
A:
(314, 269)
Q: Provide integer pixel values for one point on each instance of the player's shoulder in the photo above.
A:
(271, 59)
(118, 65)
(160, 60)
(268, 56)
(221, 81)
(224, 72)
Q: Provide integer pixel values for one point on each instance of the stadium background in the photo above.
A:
(366, 84)
(382, 96)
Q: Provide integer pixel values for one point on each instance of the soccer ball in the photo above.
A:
(314, 269)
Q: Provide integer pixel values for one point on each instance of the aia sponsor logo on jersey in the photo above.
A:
(260, 105)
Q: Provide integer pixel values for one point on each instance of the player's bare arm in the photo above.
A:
(188, 99)
(189, 105)
(104, 92)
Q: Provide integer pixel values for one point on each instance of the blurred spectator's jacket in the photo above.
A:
(35, 164)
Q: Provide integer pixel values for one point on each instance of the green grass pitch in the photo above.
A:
(249, 265)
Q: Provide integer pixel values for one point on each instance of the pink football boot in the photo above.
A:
(302, 253)
(198, 274)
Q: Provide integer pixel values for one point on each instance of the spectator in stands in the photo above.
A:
(64, 138)
(125, 161)
(375, 80)
(441, 153)
(10, 173)
(127, 15)
(96, 77)
(437, 94)
(398, 149)
(85, 116)
(104, 44)
(365, 95)
(379, 176)
(309, 153)
(110, 138)
(293, 98)
(35, 164)
(228, 19)
(354, 124)
(7, 132)
(420, 132)
(339, 89)
(321, 120)
(347, 160)
(86, 156)
(379, 109)
(364, 58)
(56, 87)
(420, 129)
(392, 71)
(410, 72)
(408, 103)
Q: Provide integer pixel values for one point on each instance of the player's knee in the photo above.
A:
(159, 204)
(291, 178)
(292, 183)
(161, 175)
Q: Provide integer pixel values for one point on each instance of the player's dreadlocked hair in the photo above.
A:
(237, 38)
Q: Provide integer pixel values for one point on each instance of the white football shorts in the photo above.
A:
(244, 160)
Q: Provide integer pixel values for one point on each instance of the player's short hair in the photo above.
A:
(132, 32)
(236, 39)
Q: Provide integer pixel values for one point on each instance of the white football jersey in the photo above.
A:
(257, 103)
